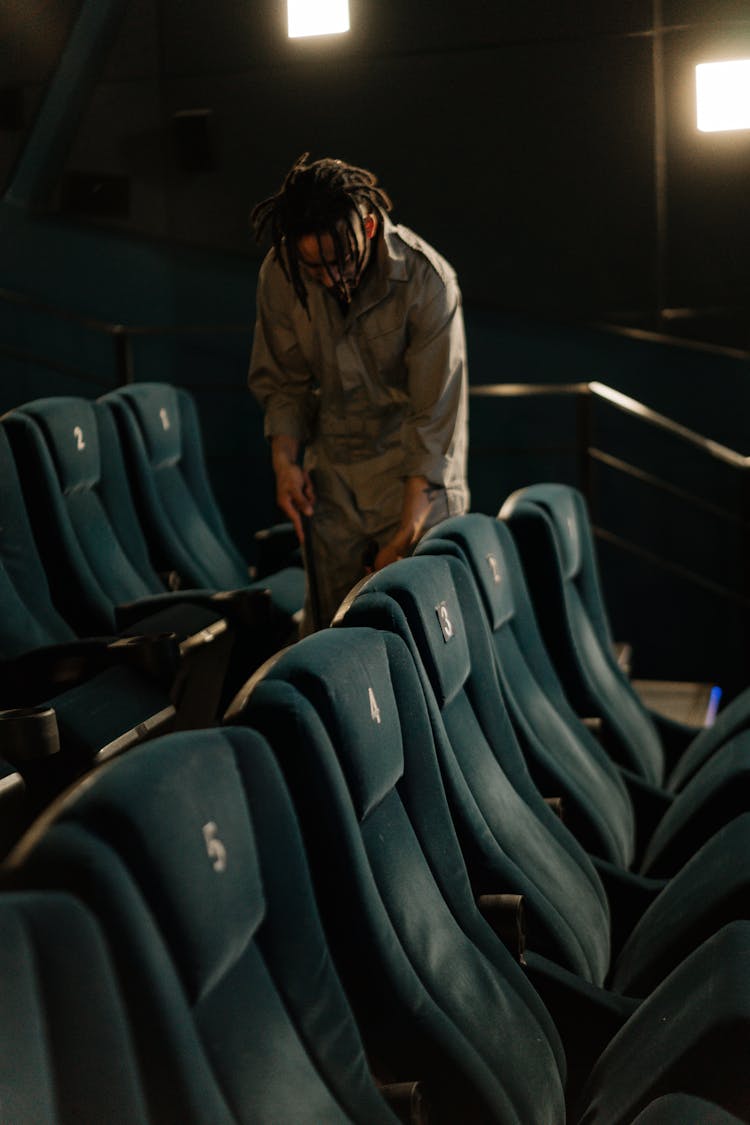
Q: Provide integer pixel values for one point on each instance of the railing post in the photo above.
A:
(124, 367)
(584, 423)
(745, 561)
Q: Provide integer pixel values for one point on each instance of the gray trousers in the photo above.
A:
(356, 512)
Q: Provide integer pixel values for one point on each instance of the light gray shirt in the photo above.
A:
(386, 381)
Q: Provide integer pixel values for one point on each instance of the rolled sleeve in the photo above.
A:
(279, 376)
(435, 428)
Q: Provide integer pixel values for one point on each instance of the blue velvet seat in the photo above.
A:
(66, 1051)
(682, 1109)
(160, 433)
(436, 992)
(352, 728)
(616, 814)
(105, 691)
(552, 531)
(188, 853)
(627, 936)
(96, 557)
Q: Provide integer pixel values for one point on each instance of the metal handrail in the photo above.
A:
(622, 402)
(121, 335)
(110, 328)
(587, 454)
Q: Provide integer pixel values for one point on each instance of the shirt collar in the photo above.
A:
(389, 265)
(391, 247)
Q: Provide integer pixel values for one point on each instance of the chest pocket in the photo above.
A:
(384, 348)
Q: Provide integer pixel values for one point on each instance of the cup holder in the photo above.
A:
(28, 734)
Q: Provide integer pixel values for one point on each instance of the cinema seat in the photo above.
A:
(188, 853)
(66, 1052)
(96, 559)
(682, 1109)
(550, 525)
(342, 711)
(433, 1001)
(160, 434)
(616, 815)
(501, 818)
(96, 695)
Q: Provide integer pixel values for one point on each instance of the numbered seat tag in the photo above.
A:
(215, 849)
(446, 624)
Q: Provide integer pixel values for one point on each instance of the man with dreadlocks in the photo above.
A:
(359, 362)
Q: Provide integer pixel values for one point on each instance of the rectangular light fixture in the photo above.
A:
(723, 95)
(317, 17)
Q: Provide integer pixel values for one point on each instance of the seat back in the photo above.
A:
(28, 619)
(159, 429)
(550, 527)
(563, 756)
(188, 852)
(67, 1052)
(81, 509)
(499, 812)
(436, 989)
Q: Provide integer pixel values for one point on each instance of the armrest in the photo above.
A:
(46, 671)
(247, 606)
(276, 546)
(506, 915)
(250, 607)
(407, 1101)
(623, 651)
(629, 897)
(29, 734)
(130, 613)
(595, 724)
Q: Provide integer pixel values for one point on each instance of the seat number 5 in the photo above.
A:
(215, 850)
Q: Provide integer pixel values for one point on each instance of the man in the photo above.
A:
(359, 362)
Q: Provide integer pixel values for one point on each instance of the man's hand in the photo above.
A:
(394, 550)
(416, 505)
(294, 490)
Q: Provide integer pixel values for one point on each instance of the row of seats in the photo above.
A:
(126, 608)
(436, 939)
(211, 975)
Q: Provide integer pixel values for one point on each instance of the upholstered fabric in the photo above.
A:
(160, 433)
(66, 1053)
(435, 987)
(28, 619)
(694, 1029)
(498, 815)
(562, 754)
(233, 1022)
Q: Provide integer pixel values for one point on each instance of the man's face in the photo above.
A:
(318, 259)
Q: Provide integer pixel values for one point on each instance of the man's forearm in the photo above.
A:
(414, 508)
(294, 490)
(284, 451)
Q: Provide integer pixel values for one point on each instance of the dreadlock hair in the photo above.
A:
(323, 197)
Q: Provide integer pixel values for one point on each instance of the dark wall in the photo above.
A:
(550, 152)
(32, 34)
